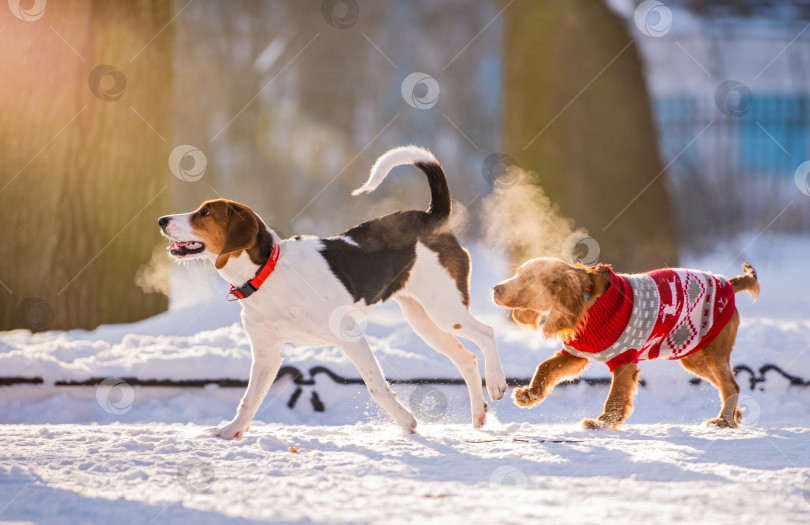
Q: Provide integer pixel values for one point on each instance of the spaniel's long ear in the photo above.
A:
(241, 229)
(526, 317)
(567, 316)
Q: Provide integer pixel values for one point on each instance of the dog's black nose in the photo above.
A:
(163, 221)
(498, 289)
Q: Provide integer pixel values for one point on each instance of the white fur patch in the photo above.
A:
(348, 240)
(390, 160)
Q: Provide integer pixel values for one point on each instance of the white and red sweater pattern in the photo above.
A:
(668, 313)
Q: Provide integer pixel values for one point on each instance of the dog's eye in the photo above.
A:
(204, 212)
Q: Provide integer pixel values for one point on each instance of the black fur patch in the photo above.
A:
(440, 202)
(380, 264)
(261, 251)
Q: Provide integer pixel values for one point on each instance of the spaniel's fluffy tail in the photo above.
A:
(747, 282)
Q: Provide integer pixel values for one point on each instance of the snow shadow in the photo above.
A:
(531, 456)
(23, 499)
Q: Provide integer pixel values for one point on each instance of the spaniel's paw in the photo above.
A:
(721, 423)
(525, 397)
(598, 423)
(591, 424)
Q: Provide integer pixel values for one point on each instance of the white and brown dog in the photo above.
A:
(293, 290)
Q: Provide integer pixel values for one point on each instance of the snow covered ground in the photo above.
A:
(128, 454)
(372, 473)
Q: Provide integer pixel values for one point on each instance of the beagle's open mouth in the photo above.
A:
(183, 248)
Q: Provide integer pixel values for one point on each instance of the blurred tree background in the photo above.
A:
(626, 135)
(293, 101)
(577, 115)
(82, 177)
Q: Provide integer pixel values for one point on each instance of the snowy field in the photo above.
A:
(122, 454)
(372, 473)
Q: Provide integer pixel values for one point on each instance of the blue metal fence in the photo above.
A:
(731, 173)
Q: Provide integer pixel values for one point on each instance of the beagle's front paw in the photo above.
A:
(526, 397)
(233, 430)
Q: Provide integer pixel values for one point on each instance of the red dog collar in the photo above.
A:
(262, 274)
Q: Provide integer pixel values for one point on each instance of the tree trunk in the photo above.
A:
(84, 173)
(577, 115)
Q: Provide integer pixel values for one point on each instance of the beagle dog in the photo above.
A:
(621, 319)
(314, 291)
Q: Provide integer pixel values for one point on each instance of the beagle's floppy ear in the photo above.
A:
(568, 314)
(526, 317)
(241, 228)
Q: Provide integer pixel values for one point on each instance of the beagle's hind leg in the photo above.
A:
(446, 344)
(457, 320)
(443, 295)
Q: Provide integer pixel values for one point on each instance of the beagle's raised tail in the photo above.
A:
(440, 202)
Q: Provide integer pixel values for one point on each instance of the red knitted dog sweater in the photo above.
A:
(668, 313)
